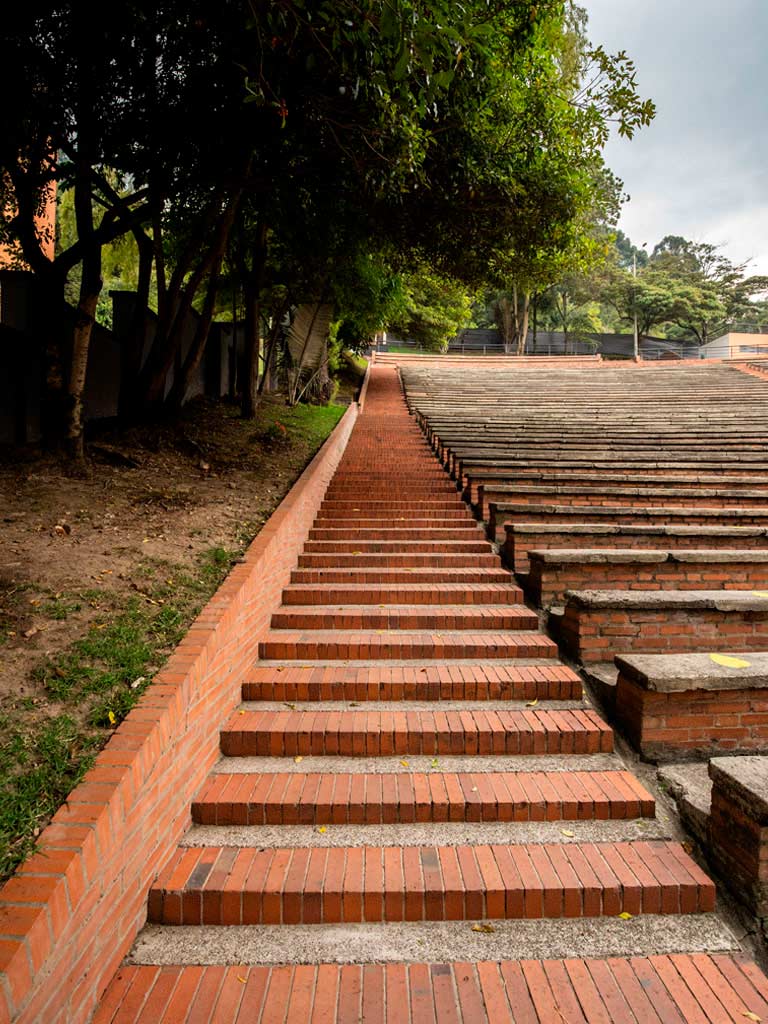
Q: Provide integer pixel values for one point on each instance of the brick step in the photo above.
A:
(229, 886)
(394, 561)
(388, 505)
(480, 545)
(315, 798)
(427, 616)
(434, 577)
(413, 594)
(364, 733)
(455, 681)
(656, 988)
(461, 530)
(355, 520)
(363, 646)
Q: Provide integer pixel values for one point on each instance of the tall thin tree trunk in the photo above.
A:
(90, 290)
(183, 381)
(252, 284)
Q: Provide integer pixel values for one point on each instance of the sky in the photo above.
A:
(701, 169)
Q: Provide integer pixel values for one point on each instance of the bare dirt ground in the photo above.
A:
(100, 577)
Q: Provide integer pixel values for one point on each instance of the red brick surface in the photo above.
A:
(638, 877)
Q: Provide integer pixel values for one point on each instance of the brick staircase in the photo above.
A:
(417, 810)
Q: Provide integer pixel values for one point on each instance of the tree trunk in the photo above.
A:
(271, 345)
(505, 321)
(252, 284)
(183, 381)
(522, 325)
(133, 345)
(90, 289)
(180, 297)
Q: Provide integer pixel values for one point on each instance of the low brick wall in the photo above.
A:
(517, 543)
(72, 911)
(678, 708)
(548, 581)
(596, 634)
(738, 827)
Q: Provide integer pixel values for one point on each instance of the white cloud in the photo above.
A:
(701, 169)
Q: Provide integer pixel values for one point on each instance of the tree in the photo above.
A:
(436, 309)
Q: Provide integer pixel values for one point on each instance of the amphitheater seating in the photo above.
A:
(630, 501)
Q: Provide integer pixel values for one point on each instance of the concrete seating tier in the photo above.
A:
(640, 515)
(522, 538)
(554, 571)
(597, 624)
(611, 496)
(676, 707)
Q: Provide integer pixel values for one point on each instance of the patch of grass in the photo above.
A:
(313, 423)
(57, 608)
(38, 768)
(96, 682)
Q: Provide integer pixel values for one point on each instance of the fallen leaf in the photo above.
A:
(298, 759)
(568, 832)
(749, 1015)
(111, 717)
(404, 764)
(322, 829)
(243, 980)
(688, 847)
(241, 712)
(728, 661)
(28, 633)
(625, 916)
(486, 929)
(435, 762)
(289, 705)
(532, 703)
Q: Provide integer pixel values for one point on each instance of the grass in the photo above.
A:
(46, 747)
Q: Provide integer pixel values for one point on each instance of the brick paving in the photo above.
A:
(397, 601)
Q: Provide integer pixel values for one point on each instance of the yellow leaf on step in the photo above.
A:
(728, 661)
(322, 829)
(298, 759)
(532, 703)
(625, 916)
(567, 832)
(404, 764)
(750, 1016)
(486, 929)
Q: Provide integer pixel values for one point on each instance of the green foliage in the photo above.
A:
(436, 309)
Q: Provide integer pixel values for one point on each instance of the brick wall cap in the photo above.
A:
(556, 556)
(677, 673)
(669, 600)
(630, 530)
(633, 556)
(746, 778)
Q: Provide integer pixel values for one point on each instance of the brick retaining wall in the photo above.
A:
(72, 911)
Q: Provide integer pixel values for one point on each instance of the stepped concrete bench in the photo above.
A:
(474, 477)
(611, 496)
(598, 624)
(679, 707)
(516, 451)
(500, 514)
(472, 468)
(554, 571)
(522, 538)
